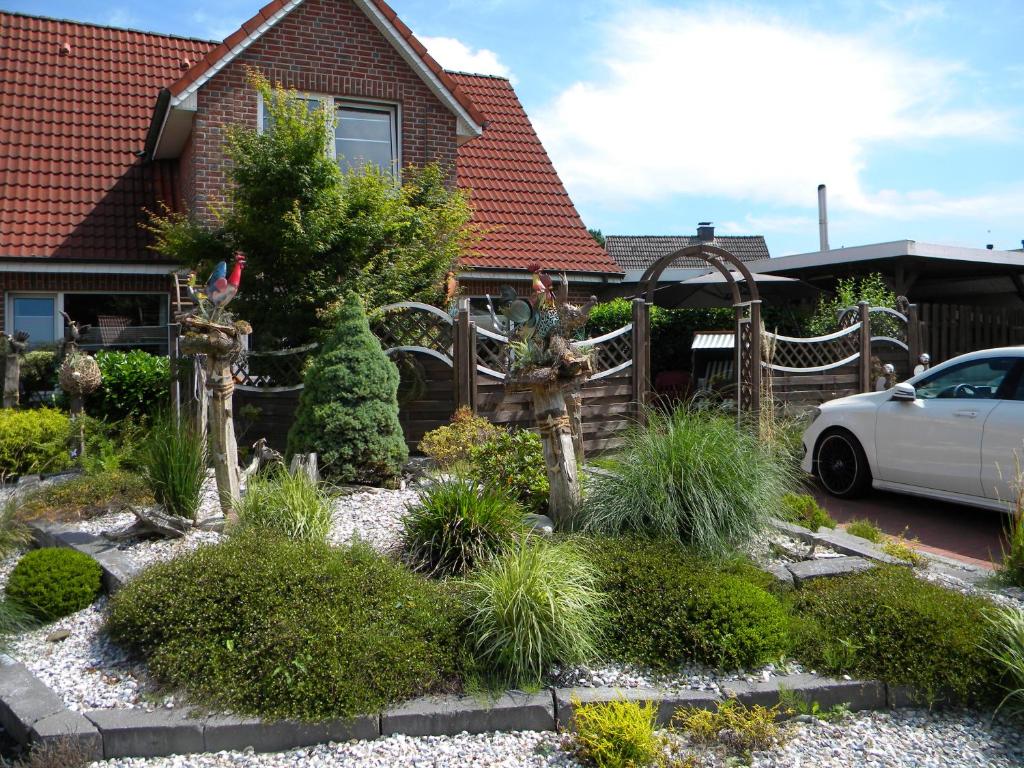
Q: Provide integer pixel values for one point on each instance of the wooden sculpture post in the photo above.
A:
(12, 367)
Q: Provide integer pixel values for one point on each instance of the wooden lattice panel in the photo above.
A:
(820, 353)
(282, 368)
(746, 378)
(611, 353)
(492, 353)
(413, 327)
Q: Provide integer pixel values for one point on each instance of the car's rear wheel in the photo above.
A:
(841, 465)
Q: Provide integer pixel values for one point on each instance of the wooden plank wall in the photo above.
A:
(948, 330)
(607, 408)
(435, 404)
(815, 388)
(275, 418)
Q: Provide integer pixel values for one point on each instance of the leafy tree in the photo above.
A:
(850, 291)
(348, 410)
(598, 236)
(312, 232)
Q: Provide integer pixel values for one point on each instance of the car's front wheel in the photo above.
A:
(841, 465)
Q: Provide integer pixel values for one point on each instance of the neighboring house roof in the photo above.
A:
(519, 203)
(76, 103)
(638, 252)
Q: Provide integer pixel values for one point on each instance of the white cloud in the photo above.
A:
(456, 55)
(743, 106)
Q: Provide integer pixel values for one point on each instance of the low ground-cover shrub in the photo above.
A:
(513, 460)
(532, 608)
(452, 443)
(802, 509)
(739, 728)
(173, 459)
(291, 505)
(617, 734)
(34, 441)
(457, 525)
(85, 497)
(866, 529)
(692, 476)
(54, 582)
(268, 626)
(667, 606)
(888, 624)
(135, 383)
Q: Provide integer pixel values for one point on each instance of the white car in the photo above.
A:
(954, 432)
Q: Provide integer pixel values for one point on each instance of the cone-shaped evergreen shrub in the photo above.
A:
(348, 411)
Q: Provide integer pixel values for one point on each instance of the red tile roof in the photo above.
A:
(519, 202)
(76, 102)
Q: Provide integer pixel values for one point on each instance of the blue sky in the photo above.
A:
(661, 114)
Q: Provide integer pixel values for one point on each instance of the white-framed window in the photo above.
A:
(36, 314)
(364, 132)
(40, 313)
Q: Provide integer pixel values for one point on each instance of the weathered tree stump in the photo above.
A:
(149, 522)
(555, 429)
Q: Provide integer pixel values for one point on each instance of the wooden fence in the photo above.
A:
(948, 330)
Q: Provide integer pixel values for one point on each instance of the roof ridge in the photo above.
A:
(80, 23)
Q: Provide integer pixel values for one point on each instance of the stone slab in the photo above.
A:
(227, 732)
(117, 568)
(24, 700)
(447, 715)
(781, 573)
(847, 544)
(901, 697)
(137, 733)
(827, 692)
(827, 567)
(798, 532)
(71, 726)
(668, 702)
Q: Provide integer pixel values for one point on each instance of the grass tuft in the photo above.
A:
(290, 505)
(174, 460)
(866, 529)
(1006, 647)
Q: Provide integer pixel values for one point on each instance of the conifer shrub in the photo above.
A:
(668, 606)
(53, 582)
(348, 410)
(269, 626)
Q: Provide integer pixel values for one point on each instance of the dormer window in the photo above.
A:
(364, 132)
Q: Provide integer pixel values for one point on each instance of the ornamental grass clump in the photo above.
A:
(173, 459)
(264, 625)
(51, 583)
(457, 525)
(617, 734)
(534, 607)
(1006, 647)
(291, 505)
(691, 476)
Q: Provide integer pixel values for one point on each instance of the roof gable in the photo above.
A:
(519, 203)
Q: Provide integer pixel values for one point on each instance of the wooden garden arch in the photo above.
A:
(747, 312)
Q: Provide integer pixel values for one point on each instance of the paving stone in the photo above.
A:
(827, 567)
(448, 715)
(24, 699)
(847, 544)
(792, 529)
(668, 702)
(826, 691)
(137, 733)
(227, 732)
(73, 726)
(780, 572)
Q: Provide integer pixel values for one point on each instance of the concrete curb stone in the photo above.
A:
(138, 733)
(73, 726)
(24, 700)
(667, 701)
(448, 715)
(117, 568)
(827, 692)
(228, 732)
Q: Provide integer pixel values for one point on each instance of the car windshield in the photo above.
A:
(975, 379)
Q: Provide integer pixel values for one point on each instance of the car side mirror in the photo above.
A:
(905, 392)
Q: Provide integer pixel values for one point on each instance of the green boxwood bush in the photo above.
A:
(888, 624)
(135, 383)
(457, 525)
(34, 441)
(668, 606)
(286, 629)
(348, 410)
(51, 583)
(513, 460)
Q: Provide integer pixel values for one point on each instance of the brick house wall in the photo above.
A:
(325, 47)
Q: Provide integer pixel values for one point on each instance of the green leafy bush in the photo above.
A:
(54, 582)
(38, 373)
(286, 629)
(692, 476)
(866, 529)
(348, 411)
(453, 443)
(802, 509)
(457, 525)
(888, 624)
(513, 460)
(34, 441)
(617, 734)
(286, 504)
(849, 292)
(668, 606)
(85, 497)
(531, 608)
(174, 459)
(134, 384)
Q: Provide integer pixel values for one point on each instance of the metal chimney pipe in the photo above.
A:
(822, 218)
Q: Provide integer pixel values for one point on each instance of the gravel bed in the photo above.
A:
(373, 516)
(1006, 597)
(694, 677)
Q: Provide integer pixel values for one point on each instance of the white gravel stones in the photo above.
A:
(693, 677)
(492, 750)
(144, 552)
(86, 670)
(373, 516)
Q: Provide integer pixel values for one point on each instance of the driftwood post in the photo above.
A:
(555, 429)
(12, 367)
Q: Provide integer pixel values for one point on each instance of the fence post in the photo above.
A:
(464, 357)
(913, 337)
(173, 356)
(865, 347)
(641, 354)
(755, 359)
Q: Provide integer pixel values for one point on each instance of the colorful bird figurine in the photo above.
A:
(220, 288)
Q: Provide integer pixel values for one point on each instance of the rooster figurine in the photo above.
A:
(220, 288)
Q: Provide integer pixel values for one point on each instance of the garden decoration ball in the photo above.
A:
(79, 374)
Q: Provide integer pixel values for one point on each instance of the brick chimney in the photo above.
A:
(705, 231)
